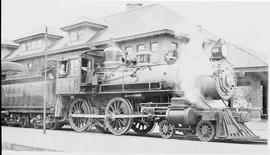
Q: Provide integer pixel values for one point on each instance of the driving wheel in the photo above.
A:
(143, 126)
(118, 106)
(79, 106)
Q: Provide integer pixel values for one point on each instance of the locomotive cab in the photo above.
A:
(75, 72)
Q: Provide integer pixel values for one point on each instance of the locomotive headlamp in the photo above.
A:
(219, 50)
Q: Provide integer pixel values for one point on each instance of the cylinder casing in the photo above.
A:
(181, 116)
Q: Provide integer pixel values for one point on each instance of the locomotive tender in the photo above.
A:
(108, 91)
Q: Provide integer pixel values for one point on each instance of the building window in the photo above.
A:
(140, 48)
(73, 36)
(130, 52)
(76, 35)
(80, 35)
(29, 65)
(34, 45)
(31, 45)
(154, 47)
(28, 46)
(39, 43)
(23, 47)
(174, 46)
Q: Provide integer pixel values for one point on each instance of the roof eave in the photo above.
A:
(73, 26)
(36, 36)
(164, 31)
(252, 69)
(49, 52)
(9, 46)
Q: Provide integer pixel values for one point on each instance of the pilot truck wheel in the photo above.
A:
(205, 131)
(166, 130)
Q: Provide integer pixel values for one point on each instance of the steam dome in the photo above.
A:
(113, 57)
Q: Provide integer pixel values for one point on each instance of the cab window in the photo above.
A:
(63, 69)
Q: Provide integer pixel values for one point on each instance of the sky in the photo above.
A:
(246, 24)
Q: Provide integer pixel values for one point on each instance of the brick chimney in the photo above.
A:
(131, 6)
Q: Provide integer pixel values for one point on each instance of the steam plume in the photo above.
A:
(192, 64)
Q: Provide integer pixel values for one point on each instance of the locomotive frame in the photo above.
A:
(85, 98)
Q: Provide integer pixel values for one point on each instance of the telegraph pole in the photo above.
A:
(45, 83)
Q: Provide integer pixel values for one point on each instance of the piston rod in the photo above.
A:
(112, 116)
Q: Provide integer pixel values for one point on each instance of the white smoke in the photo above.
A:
(192, 63)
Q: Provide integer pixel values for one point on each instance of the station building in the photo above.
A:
(152, 28)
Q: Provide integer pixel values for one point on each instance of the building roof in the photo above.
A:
(141, 20)
(245, 58)
(135, 23)
(208, 35)
(84, 21)
(8, 43)
(144, 21)
(40, 30)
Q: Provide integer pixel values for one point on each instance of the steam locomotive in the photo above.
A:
(106, 90)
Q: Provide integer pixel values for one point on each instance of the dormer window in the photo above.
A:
(28, 46)
(76, 35)
(29, 65)
(36, 44)
(31, 45)
(23, 47)
(174, 46)
(34, 40)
